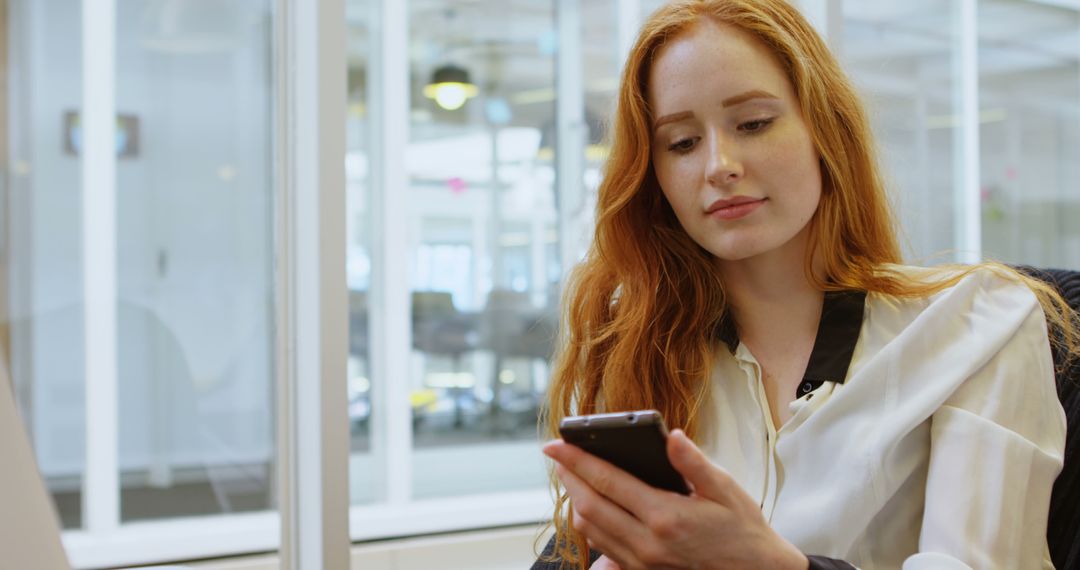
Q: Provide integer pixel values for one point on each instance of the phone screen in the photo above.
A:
(635, 442)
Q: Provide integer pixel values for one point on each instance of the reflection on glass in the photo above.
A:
(194, 252)
(195, 241)
(901, 57)
(1029, 81)
(42, 219)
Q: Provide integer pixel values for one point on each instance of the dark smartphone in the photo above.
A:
(635, 442)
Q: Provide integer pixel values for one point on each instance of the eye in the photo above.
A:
(755, 126)
(683, 146)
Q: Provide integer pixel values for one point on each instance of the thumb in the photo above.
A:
(707, 479)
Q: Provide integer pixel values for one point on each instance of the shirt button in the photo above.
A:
(806, 388)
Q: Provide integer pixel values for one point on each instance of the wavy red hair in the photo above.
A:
(644, 307)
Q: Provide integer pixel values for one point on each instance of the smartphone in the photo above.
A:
(635, 442)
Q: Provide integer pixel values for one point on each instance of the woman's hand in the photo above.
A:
(604, 563)
(637, 526)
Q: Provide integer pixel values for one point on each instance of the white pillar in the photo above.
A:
(571, 131)
(101, 484)
(827, 17)
(313, 435)
(628, 20)
(967, 187)
(391, 314)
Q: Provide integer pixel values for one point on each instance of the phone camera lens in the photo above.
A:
(631, 418)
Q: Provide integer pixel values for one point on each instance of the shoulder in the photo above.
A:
(982, 332)
(975, 311)
(978, 289)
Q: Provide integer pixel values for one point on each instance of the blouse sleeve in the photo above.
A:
(997, 445)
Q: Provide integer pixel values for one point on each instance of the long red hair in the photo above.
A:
(643, 309)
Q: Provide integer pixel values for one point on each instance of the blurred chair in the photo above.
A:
(512, 327)
(440, 329)
(359, 349)
(358, 324)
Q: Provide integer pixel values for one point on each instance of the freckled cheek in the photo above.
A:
(792, 165)
(675, 184)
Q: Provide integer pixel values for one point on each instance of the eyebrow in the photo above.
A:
(744, 97)
(672, 118)
(729, 102)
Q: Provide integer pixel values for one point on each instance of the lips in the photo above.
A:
(734, 208)
(729, 202)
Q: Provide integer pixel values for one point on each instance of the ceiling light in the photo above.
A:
(450, 87)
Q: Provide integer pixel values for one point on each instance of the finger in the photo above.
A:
(596, 515)
(622, 488)
(611, 549)
(708, 480)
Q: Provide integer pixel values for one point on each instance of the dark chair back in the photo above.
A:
(1063, 529)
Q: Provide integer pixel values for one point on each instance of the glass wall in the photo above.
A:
(194, 251)
(1029, 91)
(902, 57)
(195, 247)
(488, 228)
(42, 220)
(483, 241)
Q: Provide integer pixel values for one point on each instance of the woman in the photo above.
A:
(836, 409)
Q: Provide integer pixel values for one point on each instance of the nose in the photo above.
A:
(724, 166)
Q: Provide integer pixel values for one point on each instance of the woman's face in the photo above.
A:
(729, 145)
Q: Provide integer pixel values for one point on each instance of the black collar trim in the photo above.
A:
(838, 331)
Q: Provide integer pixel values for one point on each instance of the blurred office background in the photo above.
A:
(976, 105)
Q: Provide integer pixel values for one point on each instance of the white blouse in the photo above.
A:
(936, 447)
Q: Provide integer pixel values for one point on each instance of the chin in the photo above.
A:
(743, 257)
(738, 250)
(734, 254)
